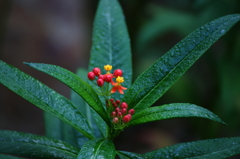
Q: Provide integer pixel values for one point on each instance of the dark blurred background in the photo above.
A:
(59, 32)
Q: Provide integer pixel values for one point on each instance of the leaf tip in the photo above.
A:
(27, 63)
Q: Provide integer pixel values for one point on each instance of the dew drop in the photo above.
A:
(222, 31)
(172, 54)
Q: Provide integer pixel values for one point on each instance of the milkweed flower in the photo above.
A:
(108, 68)
(117, 86)
(108, 77)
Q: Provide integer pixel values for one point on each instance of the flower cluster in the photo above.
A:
(109, 83)
(120, 115)
(108, 78)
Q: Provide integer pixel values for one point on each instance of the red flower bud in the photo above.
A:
(108, 78)
(117, 110)
(115, 120)
(114, 104)
(100, 82)
(130, 116)
(131, 111)
(118, 102)
(124, 111)
(97, 71)
(124, 105)
(111, 100)
(117, 73)
(113, 114)
(91, 76)
(126, 118)
(119, 114)
(101, 77)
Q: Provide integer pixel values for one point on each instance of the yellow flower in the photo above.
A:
(117, 86)
(119, 79)
(108, 67)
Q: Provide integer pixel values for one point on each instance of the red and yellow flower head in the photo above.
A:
(117, 86)
(108, 77)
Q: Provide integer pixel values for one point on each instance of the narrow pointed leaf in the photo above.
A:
(96, 122)
(74, 82)
(53, 126)
(88, 112)
(98, 148)
(83, 108)
(99, 125)
(78, 100)
(129, 155)
(111, 43)
(43, 97)
(69, 135)
(29, 145)
(213, 148)
(157, 79)
(174, 110)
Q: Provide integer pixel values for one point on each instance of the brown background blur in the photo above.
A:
(59, 32)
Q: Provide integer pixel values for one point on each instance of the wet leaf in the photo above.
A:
(213, 148)
(89, 113)
(98, 148)
(75, 83)
(29, 145)
(158, 78)
(129, 155)
(111, 43)
(174, 110)
(43, 97)
(53, 126)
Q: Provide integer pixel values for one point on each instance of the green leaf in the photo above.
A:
(99, 125)
(174, 110)
(213, 148)
(157, 79)
(43, 97)
(29, 145)
(53, 126)
(74, 82)
(78, 100)
(2, 156)
(83, 108)
(88, 112)
(111, 43)
(96, 122)
(98, 148)
(69, 135)
(129, 155)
